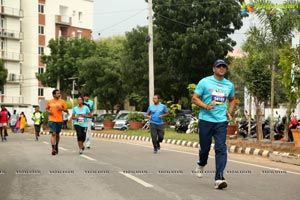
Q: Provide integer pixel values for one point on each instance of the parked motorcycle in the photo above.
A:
(182, 123)
(243, 128)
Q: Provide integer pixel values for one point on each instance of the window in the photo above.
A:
(41, 8)
(41, 70)
(79, 35)
(79, 16)
(41, 91)
(41, 30)
(41, 50)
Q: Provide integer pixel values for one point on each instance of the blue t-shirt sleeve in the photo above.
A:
(231, 94)
(92, 105)
(165, 109)
(87, 110)
(74, 111)
(199, 88)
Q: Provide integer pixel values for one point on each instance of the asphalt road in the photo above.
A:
(120, 169)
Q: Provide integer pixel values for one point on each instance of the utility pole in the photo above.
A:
(73, 89)
(272, 93)
(150, 53)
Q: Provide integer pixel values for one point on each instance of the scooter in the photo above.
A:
(193, 126)
(279, 127)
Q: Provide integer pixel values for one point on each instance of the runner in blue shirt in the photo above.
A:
(155, 114)
(80, 115)
(212, 95)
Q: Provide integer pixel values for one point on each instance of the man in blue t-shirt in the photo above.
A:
(155, 114)
(212, 95)
(90, 104)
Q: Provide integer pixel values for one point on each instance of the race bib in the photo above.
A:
(218, 97)
(80, 120)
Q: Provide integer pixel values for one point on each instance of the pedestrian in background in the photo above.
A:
(155, 113)
(90, 104)
(37, 118)
(4, 118)
(13, 121)
(23, 122)
(212, 95)
(55, 107)
(80, 115)
(65, 120)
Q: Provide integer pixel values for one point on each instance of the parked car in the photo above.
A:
(98, 121)
(121, 121)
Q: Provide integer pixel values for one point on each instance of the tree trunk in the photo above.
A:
(258, 121)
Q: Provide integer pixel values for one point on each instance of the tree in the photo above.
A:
(63, 61)
(102, 73)
(3, 75)
(134, 69)
(290, 64)
(278, 24)
(237, 69)
(257, 77)
(189, 36)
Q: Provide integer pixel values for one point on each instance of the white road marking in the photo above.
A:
(46, 142)
(264, 167)
(63, 149)
(235, 161)
(140, 181)
(87, 157)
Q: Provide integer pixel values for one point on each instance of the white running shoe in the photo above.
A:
(220, 184)
(199, 171)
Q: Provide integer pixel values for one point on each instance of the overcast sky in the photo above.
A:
(115, 17)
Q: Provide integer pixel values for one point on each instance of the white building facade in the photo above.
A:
(26, 28)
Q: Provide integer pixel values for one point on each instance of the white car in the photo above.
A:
(121, 119)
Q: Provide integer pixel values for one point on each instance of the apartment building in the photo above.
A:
(26, 28)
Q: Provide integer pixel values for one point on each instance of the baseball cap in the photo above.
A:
(220, 62)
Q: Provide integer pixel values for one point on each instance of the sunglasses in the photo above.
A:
(219, 66)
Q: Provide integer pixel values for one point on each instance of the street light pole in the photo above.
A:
(150, 52)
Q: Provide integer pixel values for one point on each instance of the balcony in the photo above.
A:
(4, 33)
(13, 12)
(14, 78)
(11, 99)
(11, 56)
(64, 20)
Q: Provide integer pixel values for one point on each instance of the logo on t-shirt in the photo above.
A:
(218, 97)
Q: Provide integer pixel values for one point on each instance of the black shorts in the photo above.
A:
(37, 128)
(81, 132)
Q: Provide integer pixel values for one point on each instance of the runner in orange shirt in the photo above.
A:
(54, 108)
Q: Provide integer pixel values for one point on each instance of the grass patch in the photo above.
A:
(169, 134)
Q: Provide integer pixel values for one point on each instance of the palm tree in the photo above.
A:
(278, 25)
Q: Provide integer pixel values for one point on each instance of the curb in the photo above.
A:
(286, 158)
(231, 148)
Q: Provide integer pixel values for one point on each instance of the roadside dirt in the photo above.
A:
(276, 146)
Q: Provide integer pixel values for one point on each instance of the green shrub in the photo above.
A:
(136, 117)
(109, 118)
(45, 120)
